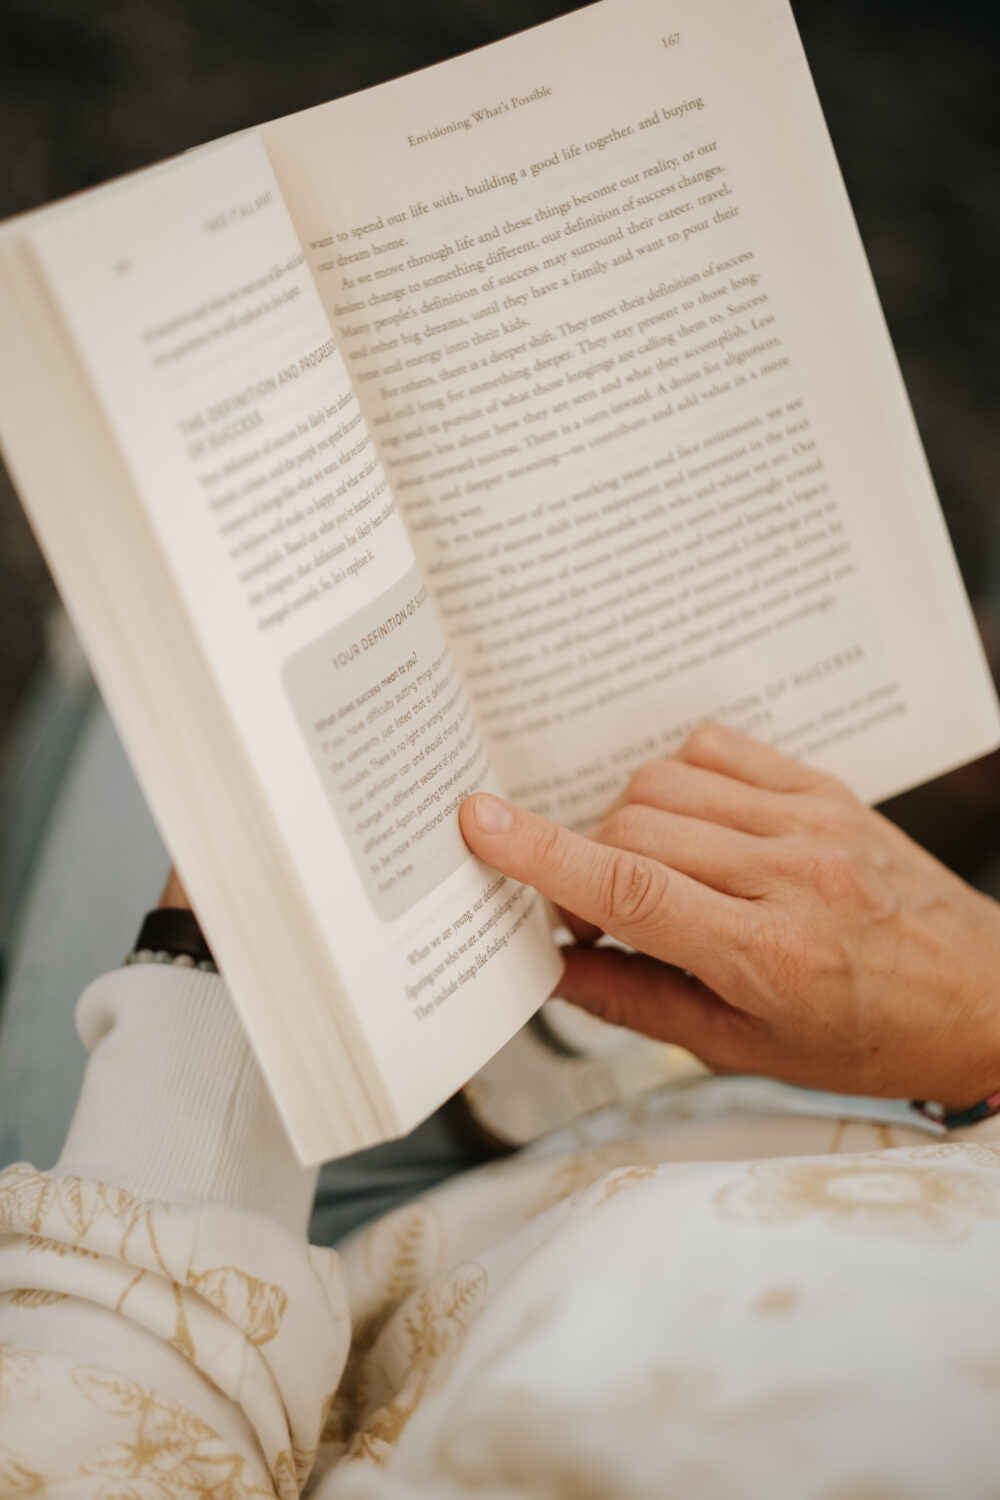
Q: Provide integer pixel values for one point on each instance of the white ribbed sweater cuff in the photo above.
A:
(173, 1105)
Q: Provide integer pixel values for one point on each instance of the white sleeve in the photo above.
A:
(162, 1316)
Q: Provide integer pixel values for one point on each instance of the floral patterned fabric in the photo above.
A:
(708, 1293)
(267, 1328)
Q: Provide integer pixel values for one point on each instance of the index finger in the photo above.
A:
(639, 900)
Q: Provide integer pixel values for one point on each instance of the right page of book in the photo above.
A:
(604, 302)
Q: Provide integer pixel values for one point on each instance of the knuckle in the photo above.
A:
(835, 873)
(838, 873)
(832, 819)
(547, 849)
(825, 785)
(635, 890)
(796, 862)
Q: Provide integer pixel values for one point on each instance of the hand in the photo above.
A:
(783, 928)
(173, 894)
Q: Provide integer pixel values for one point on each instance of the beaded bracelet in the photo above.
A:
(171, 935)
(951, 1120)
(162, 956)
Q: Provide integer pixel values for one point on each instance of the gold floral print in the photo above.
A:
(31, 1297)
(581, 1170)
(58, 1247)
(538, 1443)
(776, 1299)
(25, 1196)
(868, 1194)
(81, 1202)
(623, 1179)
(434, 1323)
(137, 1241)
(257, 1307)
(172, 1453)
(53, 1214)
(399, 1252)
(402, 1250)
(283, 1473)
(974, 1151)
(18, 1373)
(529, 1442)
(16, 1478)
(68, 1209)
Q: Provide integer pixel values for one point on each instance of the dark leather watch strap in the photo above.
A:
(175, 930)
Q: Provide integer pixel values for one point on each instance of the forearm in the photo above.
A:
(173, 1105)
(158, 1280)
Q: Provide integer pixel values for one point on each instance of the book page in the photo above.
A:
(188, 297)
(605, 308)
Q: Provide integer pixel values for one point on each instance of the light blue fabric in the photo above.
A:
(38, 748)
(101, 864)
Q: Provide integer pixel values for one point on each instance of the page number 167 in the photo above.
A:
(672, 39)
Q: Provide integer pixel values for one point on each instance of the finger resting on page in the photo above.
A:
(637, 899)
(726, 859)
(676, 786)
(715, 747)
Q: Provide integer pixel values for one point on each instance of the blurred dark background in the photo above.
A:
(910, 92)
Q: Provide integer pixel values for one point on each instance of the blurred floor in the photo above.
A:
(909, 90)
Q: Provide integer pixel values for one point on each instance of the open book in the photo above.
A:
(489, 428)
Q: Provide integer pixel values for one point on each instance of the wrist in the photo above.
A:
(173, 893)
(173, 1106)
(172, 935)
(952, 1117)
(968, 1086)
(966, 1049)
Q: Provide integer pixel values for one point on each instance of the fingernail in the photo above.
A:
(492, 815)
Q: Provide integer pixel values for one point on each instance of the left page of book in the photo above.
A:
(187, 296)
